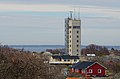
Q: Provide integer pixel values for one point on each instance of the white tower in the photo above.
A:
(73, 35)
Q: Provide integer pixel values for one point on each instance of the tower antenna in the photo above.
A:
(79, 14)
(71, 14)
(74, 14)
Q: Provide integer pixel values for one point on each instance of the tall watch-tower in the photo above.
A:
(73, 35)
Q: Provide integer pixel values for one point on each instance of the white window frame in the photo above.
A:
(99, 70)
(90, 71)
(76, 70)
(73, 70)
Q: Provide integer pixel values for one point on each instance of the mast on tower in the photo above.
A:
(71, 14)
(79, 14)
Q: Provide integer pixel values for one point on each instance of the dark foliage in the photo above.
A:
(95, 49)
(20, 64)
(56, 51)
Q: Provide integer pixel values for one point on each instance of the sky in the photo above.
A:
(41, 22)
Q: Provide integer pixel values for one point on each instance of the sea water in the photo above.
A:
(40, 48)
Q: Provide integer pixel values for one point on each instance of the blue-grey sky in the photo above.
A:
(41, 22)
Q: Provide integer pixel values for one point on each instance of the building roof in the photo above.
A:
(82, 65)
(56, 57)
(65, 57)
(85, 64)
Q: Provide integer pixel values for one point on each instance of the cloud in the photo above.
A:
(103, 3)
(100, 36)
(100, 23)
(37, 22)
(31, 30)
(95, 11)
(34, 7)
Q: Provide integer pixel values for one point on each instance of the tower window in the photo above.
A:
(77, 45)
(70, 45)
(74, 27)
(77, 36)
(69, 26)
(77, 41)
(70, 31)
(77, 27)
(70, 50)
(70, 36)
(77, 31)
(77, 50)
(70, 41)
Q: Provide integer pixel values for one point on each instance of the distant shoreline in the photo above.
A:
(39, 48)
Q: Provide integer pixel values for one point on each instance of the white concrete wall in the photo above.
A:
(74, 38)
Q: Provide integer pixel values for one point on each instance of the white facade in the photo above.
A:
(63, 60)
(73, 36)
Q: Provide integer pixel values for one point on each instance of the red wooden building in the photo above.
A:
(89, 68)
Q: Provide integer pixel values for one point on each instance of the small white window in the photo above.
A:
(76, 70)
(72, 69)
(99, 70)
(90, 70)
